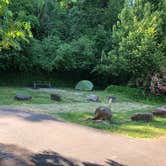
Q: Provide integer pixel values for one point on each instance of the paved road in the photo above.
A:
(40, 140)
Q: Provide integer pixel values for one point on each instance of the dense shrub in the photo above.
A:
(158, 83)
(135, 94)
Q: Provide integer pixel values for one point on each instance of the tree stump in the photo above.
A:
(55, 97)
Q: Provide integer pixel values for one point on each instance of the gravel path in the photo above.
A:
(39, 140)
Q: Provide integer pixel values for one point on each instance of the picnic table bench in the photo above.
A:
(41, 83)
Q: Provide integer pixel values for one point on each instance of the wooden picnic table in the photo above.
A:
(36, 84)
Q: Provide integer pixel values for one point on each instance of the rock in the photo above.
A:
(161, 111)
(22, 97)
(93, 98)
(113, 98)
(146, 117)
(103, 113)
(55, 97)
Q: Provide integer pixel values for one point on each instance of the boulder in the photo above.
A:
(113, 98)
(93, 98)
(22, 97)
(55, 97)
(103, 113)
(146, 117)
(161, 111)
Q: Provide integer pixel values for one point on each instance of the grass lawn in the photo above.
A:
(75, 108)
(120, 123)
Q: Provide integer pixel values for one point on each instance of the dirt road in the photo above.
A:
(39, 140)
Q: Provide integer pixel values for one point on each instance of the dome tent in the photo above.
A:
(84, 85)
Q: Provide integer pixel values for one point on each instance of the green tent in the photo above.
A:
(84, 85)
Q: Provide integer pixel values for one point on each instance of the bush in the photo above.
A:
(158, 84)
(136, 94)
(126, 91)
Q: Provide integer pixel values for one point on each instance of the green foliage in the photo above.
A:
(79, 54)
(68, 35)
(84, 85)
(64, 59)
(114, 41)
(11, 30)
(51, 53)
(44, 52)
(138, 46)
(28, 11)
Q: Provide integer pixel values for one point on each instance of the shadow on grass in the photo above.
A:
(26, 115)
(12, 155)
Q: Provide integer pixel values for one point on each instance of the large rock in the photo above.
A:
(103, 113)
(161, 111)
(93, 98)
(22, 97)
(55, 97)
(146, 117)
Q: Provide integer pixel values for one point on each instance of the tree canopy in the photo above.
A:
(119, 41)
(12, 30)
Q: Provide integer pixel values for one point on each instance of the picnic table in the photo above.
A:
(36, 84)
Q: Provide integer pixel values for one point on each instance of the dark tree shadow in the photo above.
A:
(52, 159)
(12, 155)
(114, 163)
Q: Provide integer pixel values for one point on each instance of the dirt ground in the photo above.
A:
(33, 139)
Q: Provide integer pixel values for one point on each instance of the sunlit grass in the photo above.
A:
(120, 124)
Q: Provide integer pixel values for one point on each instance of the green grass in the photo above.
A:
(7, 96)
(136, 94)
(75, 108)
(120, 123)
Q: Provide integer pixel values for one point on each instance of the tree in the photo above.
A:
(138, 41)
(11, 31)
